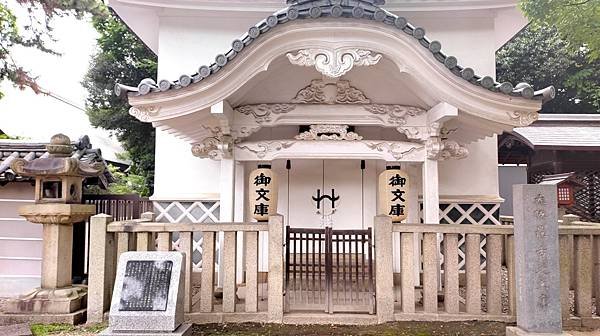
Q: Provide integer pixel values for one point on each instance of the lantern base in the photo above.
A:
(49, 301)
(63, 214)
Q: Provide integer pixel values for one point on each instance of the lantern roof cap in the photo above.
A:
(59, 162)
(564, 178)
(59, 146)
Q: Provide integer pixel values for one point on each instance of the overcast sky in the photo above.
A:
(38, 117)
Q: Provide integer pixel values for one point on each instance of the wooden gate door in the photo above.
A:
(329, 270)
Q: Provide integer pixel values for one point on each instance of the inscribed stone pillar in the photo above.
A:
(536, 260)
(384, 276)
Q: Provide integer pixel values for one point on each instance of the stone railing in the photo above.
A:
(448, 292)
(462, 291)
(579, 243)
(579, 272)
(201, 304)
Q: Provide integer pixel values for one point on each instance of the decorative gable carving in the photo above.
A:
(444, 149)
(214, 147)
(334, 63)
(396, 113)
(328, 132)
(262, 112)
(321, 92)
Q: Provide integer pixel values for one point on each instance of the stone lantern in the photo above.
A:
(567, 184)
(58, 189)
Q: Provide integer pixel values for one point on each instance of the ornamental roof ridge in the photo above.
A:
(355, 9)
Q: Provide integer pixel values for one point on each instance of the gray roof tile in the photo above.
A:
(352, 9)
(11, 149)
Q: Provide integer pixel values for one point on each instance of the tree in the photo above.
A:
(540, 57)
(35, 33)
(577, 21)
(121, 57)
(124, 183)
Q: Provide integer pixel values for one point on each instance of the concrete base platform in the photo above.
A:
(324, 318)
(516, 331)
(77, 317)
(48, 301)
(183, 330)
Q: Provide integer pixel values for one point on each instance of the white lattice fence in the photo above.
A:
(189, 212)
(468, 213)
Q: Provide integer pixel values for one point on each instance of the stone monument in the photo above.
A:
(148, 295)
(536, 261)
(58, 189)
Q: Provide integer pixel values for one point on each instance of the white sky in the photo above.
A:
(38, 117)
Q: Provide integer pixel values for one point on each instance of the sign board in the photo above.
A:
(148, 293)
(262, 193)
(393, 194)
(146, 285)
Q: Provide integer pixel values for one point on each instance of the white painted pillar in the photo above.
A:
(238, 217)
(431, 203)
(431, 195)
(227, 199)
(414, 215)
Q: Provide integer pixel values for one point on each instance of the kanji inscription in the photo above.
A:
(146, 285)
(393, 193)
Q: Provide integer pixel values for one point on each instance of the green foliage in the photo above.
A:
(95, 328)
(577, 21)
(49, 329)
(66, 329)
(36, 33)
(540, 57)
(121, 57)
(124, 184)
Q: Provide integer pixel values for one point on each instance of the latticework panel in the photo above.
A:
(468, 213)
(587, 199)
(189, 212)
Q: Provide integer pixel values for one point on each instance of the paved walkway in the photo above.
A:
(15, 330)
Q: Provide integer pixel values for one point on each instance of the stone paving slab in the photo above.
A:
(182, 330)
(21, 329)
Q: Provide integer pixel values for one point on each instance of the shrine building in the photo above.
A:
(323, 96)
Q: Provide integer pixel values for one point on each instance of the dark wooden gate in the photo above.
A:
(329, 270)
(121, 207)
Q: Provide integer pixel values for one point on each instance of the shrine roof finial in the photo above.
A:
(350, 9)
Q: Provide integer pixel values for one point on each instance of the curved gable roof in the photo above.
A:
(351, 9)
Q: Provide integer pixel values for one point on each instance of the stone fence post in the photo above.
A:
(384, 273)
(536, 260)
(101, 268)
(569, 219)
(148, 216)
(275, 276)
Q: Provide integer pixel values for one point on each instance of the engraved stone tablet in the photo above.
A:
(148, 294)
(536, 260)
(146, 285)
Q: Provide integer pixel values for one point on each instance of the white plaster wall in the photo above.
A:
(187, 42)
(183, 43)
(475, 175)
(20, 242)
(181, 176)
(469, 39)
(510, 175)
